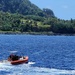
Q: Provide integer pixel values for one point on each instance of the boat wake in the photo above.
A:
(31, 63)
(28, 69)
(13, 51)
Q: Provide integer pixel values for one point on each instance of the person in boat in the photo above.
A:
(13, 57)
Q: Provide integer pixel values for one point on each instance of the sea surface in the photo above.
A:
(48, 55)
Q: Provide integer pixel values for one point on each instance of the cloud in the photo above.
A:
(65, 6)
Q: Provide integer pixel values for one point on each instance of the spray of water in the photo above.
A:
(28, 69)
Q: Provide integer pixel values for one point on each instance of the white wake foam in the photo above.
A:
(31, 63)
(27, 69)
(13, 51)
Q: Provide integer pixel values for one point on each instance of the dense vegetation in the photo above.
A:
(23, 16)
(24, 7)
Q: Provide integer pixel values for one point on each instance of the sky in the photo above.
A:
(63, 9)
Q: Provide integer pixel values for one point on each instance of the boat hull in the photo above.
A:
(16, 62)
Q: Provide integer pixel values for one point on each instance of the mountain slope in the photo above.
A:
(24, 7)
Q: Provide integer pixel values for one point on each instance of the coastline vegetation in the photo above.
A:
(17, 16)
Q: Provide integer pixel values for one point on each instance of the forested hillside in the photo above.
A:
(24, 7)
(23, 16)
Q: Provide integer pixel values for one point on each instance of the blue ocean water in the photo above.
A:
(48, 55)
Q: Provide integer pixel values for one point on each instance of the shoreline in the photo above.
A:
(35, 33)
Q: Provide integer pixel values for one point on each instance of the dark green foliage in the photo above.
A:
(36, 18)
(17, 22)
(24, 7)
(23, 16)
(48, 12)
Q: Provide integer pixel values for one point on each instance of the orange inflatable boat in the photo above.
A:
(20, 61)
